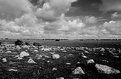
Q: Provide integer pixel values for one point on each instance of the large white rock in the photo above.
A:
(106, 69)
(55, 56)
(31, 61)
(24, 54)
(78, 70)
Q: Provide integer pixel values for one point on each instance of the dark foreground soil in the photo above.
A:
(43, 69)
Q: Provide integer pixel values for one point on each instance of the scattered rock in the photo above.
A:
(70, 55)
(46, 49)
(86, 52)
(54, 69)
(46, 56)
(36, 51)
(84, 56)
(48, 61)
(52, 53)
(18, 48)
(55, 56)
(116, 57)
(90, 61)
(25, 47)
(68, 63)
(105, 61)
(78, 62)
(31, 61)
(9, 51)
(102, 49)
(18, 57)
(4, 60)
(38, 56)
(78, 70)
(15, 70)
(24, 54)
(106, 69)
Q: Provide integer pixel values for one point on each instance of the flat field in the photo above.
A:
(59, 59)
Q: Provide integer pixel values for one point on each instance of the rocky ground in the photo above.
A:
(55, 62)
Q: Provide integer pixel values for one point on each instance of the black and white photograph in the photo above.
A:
(60, 39)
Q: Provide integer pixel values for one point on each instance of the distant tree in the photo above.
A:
(18, 42)
(57, 40)
(0, 43)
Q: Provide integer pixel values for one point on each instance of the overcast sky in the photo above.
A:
(72, 19)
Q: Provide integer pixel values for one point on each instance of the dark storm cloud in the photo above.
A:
(60, 18)
(86, 7)
(38, 3)
(87, 2)
(111, 5)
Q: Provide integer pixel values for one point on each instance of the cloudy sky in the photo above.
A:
(72, 19)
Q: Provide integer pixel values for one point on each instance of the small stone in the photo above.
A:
(68, 63)
(84, 56)
(18, 48)
(78, 62)
(90, 61)
(8, 52)
(31, 61)
(15, 70)
(102, 49)
(25, 47)
(46, 56)
(48, 61)
(116, 57)
(4, 60)
(38, 56)
(54, 69)
(36, 51)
